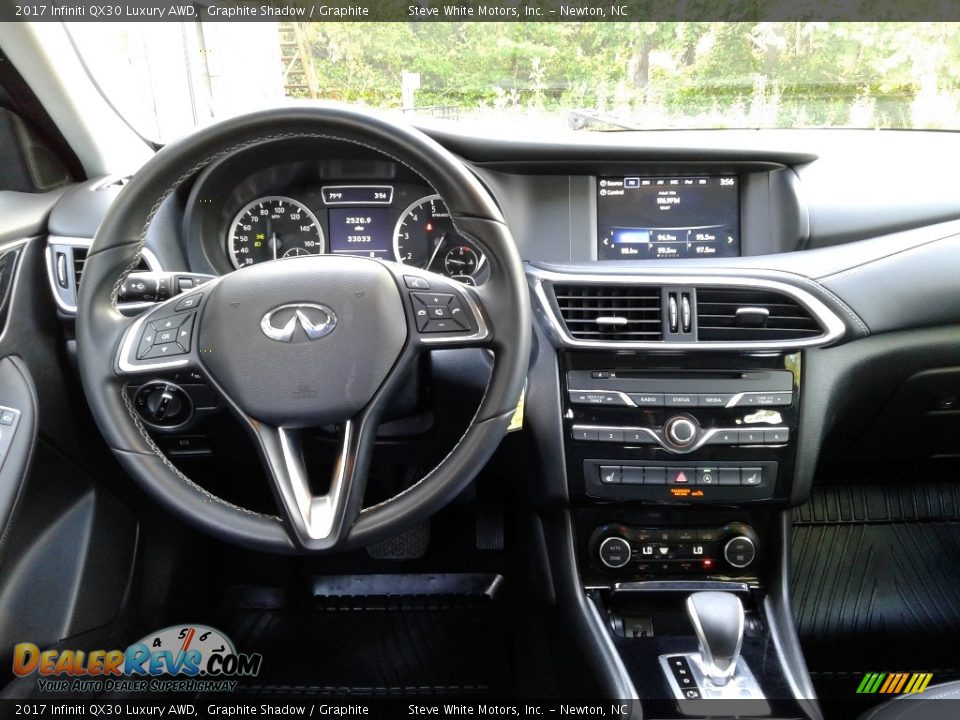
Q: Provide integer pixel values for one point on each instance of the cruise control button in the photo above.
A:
(631, 475)
(415, 283)
(610, 475)
(729, 476)
(707, 476)
(751, 476)
(773, 437)
(189, 302)
(680, 476)
(655, 476)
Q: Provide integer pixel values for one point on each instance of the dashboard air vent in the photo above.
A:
(751, 315)
(80, 259)
(616, 313)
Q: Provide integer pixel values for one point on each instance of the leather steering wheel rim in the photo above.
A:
(115, 252)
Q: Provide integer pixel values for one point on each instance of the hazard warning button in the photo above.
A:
(681, 476)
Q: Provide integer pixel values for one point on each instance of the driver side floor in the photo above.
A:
(344, 640)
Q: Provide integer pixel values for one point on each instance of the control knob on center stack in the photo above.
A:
(681, 431)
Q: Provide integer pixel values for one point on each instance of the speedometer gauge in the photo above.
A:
(271, 228)
(425, 237)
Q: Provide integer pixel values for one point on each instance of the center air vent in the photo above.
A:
(615, 313)
(750, 315)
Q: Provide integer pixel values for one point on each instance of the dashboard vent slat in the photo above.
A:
(718, 320)
(80, 259)
(610, 313)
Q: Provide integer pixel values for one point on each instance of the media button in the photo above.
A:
(714, 399)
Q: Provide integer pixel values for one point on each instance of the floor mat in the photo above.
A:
(876, 582)
(373, 646)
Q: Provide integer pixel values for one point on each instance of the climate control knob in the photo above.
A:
(681, 431)
(739, 551)
(615, 552)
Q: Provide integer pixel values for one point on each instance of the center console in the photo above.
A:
(680, 403)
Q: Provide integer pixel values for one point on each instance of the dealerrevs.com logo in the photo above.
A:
(180, 658)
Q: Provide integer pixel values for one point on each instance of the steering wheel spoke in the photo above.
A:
(318, 521)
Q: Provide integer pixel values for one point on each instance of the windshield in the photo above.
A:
(169, 77)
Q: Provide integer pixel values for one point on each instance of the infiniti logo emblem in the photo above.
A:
(315, 321)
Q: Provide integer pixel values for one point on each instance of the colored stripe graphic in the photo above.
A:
(894, 683)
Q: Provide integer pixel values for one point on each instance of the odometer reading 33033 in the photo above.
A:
(271, 228)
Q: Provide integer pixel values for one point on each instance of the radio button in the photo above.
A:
(582, 433)
(647, 399)
(714, 399)
(725, 437)
(776, 437)
(610, 435)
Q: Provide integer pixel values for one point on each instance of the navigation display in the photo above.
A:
(644, 218)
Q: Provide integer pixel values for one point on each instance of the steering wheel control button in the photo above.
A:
(185, 331)
(416, 283)
(739, 552)
(8, 416)
(439, 312)
(610, 474)
(163, 350)
(188, 303)
(163, 405)
(615, 552)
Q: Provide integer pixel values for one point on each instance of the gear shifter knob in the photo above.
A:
(717, 619)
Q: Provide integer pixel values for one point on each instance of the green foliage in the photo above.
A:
(750, 74)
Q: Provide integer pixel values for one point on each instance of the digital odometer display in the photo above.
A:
(649, 218)
(361, 231)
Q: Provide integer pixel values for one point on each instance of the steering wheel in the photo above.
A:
(302, 342)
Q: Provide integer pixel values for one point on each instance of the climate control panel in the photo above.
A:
(731, 549)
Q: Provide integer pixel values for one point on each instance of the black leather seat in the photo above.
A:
(937, 702)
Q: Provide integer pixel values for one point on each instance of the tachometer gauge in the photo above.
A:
(271, 228)
(425, 237)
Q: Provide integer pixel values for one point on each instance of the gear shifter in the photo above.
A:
(718, 620)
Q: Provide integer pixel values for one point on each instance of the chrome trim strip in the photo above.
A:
(148, 256)
(540, 279)
(778, 646)
(601, 629)
(681, 586)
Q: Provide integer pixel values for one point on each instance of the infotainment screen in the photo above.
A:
(643, 218)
